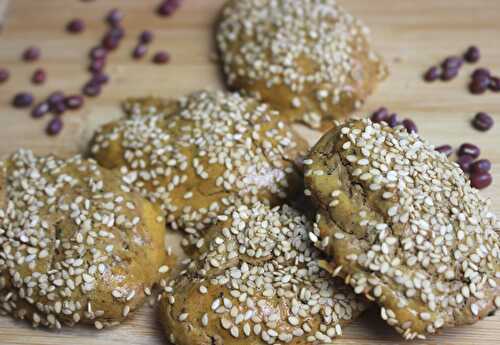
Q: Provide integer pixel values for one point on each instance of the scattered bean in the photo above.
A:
(110, 42)
(481, 166)
(392, 120)
(40, 110)
(469, 150)
(478, 72)
(4, 75)
(161, 58)
(146, 37)
(97, 65)
(494, 84)
(58, 108)
(481, 180)
(31, 54)
(478, 86)
(449, 74)
(410, 126)
(482, 121)
(168, 7)
(74, 102)
(472, 55)
(139, 51)
(55, 126)
(23, 100)
(75, 26)
(39, 76)
(445, 149)
(432, 74)
(114, 17)
(55, 97)
(380, 115)
(91, 89)
(453, 62)
(465, 162)
(98, 53)
(100, 78)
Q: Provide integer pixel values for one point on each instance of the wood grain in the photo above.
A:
(412, 35)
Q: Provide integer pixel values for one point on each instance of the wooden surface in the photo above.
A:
(412, 35)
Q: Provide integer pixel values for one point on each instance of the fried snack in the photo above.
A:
(309, 59)
(204, 154)
(256, 280)
(404, 227)
(74, 248)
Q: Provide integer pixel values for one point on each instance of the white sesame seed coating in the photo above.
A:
(423, 244)
(213, 151)
(267, 285)
(63, 257)
(310, 59)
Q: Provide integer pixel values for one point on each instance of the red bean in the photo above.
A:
(110, 42)
(58, 108)
(478, 86)
(469, 149)
(478, 72)
(117, 32)
(465, 162)
(392, 120)
(410, 126)
(114, 17)
(74, 102)
(432, 74)
(146, 37)
(31, 54)
(453, 62)
(449, 74)
(40, 110)
(380, 115)
(482, 121)
(481, 180)
(55, 97)
(472, 55)
(55, 126)
(98, 53)
(494, 84)
(161, 58)
(139, 51)
(91, 89)
(97, 65)
(445, 149)
(23, 100)
(168, 7)
(4, 75)
(75, 26)
(39, 76)
(100, 78)
(481, 166)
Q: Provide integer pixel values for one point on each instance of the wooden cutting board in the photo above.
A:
(412, 35)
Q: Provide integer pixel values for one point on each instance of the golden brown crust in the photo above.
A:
(403, 226)
(311, 60)
(73, 246)
(215, 151)
(256, 280)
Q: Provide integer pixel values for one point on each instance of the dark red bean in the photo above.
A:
(110, 42)
(91, 89)
(31, 54)
(146, 37)
(392, 120)
(449, 74)
(40, 110)
(168, 7)
(74, 102)
(481, 180)
(481, 72)
(453, 62)
(380, 115)
(469, 149)
(139, 51)
(161, 58)
(114, 17)
(465, 162)
(481, 166)
(55, 97)
(472, 55)
(432, 74)
(58, 108)
(446, 149)
(23, 100)
(4, 75)
(98, 53)
(117, 32)
(55, 126)
(482, 121)
(410, 126)
(478, 86)
(75, 26)
(39, 76)
(97, 65)
(494, 84)
(100, 78)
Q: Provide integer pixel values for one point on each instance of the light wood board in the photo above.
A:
(411, 35)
